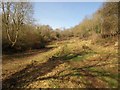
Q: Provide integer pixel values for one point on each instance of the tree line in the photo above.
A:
(19, 33)
(104, 22)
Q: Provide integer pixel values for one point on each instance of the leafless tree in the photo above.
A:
(14, 15)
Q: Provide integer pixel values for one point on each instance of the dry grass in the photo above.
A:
(70, 64)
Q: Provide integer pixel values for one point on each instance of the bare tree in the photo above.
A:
(14, 15)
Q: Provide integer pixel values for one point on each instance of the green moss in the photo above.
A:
(110, 78)
(78, 58)
(111, 82)
(82, 56)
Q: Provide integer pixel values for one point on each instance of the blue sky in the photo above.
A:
(63, 14)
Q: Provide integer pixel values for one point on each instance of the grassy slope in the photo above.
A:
(71, 63)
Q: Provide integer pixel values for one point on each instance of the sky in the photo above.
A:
(63, 14)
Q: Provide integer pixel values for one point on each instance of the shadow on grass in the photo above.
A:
(29, 74)
(26, 54)
(33, 71)
(88, 75)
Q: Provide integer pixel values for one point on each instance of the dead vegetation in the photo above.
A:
(38, 56)
(70, 65)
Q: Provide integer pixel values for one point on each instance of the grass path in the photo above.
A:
(70, 64)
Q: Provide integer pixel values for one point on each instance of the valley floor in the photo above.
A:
(72, 63)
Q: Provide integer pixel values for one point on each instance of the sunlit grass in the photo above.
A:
(73, 54)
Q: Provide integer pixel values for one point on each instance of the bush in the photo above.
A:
(29, 37)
